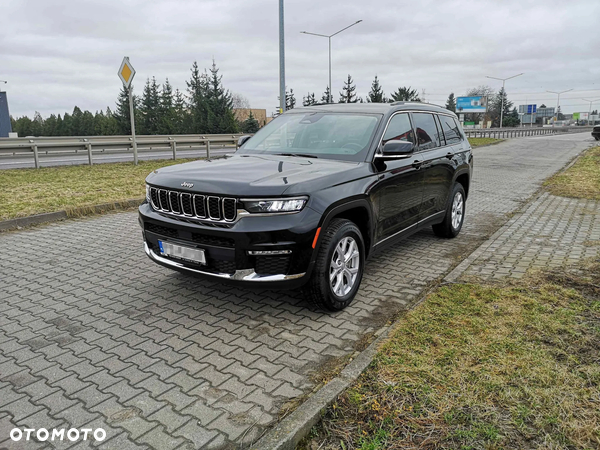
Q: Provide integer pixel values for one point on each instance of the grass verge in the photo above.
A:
(478, 142)
(581, 180)
(24, 192)
(482, 367)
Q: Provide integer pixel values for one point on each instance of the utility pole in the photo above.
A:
(558, 100)
(590, 113)
(503, 94)
(329, 36)
(282, 98)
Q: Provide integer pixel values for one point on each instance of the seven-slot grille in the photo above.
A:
(194, 205)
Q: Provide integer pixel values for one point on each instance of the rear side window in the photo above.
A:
(399, 129)
(451, 130)
(426, 129)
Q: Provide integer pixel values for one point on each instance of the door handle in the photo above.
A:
(417, 164)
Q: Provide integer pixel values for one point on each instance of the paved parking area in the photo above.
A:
(94, 335)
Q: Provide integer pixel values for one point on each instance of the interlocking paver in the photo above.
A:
(164, 360)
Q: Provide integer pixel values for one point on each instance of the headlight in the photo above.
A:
(275, 205)
(148, 194)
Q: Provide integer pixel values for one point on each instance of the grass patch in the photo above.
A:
(482, 367)
(581, 180)
(478, 142)
(24, 192)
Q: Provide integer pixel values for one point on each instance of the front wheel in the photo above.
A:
(455, 214)
(338, 270)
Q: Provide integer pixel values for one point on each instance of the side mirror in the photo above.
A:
(397, 148)
(242, 140)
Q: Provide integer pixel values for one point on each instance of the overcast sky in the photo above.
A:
(58, 54)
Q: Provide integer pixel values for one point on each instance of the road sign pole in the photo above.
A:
(132, 117)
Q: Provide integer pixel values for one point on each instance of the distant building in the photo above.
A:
(5, 126)
(260, 115)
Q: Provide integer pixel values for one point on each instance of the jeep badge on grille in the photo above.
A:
(185, 184)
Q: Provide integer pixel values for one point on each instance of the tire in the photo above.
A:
(452, 223)
(337, 240)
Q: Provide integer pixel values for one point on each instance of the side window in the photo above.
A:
(427, 133)
(451, 130)
(399, 129)
(461, 132)
(440, 134)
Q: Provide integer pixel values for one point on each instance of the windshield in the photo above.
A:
(321, 135)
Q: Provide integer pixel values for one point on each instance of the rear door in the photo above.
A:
(438, 164)
(398, 193)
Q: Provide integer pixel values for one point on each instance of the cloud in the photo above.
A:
(58, 54)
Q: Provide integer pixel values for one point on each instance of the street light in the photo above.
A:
(503, 94)
(590, 113)
(558, 100)
(329, 37)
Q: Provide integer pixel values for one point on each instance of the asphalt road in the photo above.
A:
(21, 162)
(95, 335)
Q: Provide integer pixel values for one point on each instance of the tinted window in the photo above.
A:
(451, 130)
(399, 129)
(427, 132)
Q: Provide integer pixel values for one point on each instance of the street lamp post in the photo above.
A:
(503, 94)
(282, 102)
(590, 113)
(558, 100)
(329, 38)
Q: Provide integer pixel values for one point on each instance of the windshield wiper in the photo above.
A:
(301, 155)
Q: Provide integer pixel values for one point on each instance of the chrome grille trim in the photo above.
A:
(214, 208)
(210, 208)
(232, 203)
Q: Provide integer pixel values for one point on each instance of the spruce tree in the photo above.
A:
(405, 94)
(166, 110)
(250, 125)
(50, 126)
(197, 89)
(290, 100)
(121, 113)
(326, 97)
(376, 94)
(221, 117)
(309, 99)
(181, 119)
(348, 94)
(451, 102)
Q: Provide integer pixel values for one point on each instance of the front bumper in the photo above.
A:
(227, 247)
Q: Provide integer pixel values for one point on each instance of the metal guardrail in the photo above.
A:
(34, 146)
(506, 133)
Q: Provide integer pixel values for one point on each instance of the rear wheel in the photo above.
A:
(338, 270)
(455, 214)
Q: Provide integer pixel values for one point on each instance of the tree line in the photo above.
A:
(205, 108)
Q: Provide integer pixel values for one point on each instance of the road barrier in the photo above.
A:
(93, 145)
(506, 133)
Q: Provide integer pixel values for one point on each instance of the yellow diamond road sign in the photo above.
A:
(126, 72)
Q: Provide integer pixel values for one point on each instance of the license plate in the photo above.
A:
(180, 252)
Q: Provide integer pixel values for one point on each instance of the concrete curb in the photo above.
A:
(289, 432)
(23, 222)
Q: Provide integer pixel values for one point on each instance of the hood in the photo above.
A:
(254, 175)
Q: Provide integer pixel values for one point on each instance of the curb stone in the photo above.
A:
(37, 219)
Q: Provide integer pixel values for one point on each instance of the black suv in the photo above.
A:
(306, 200)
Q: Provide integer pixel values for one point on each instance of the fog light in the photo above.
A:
(268, 252)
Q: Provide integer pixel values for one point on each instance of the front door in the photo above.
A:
(398, 193)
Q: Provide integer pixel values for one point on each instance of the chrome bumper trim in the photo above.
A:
(241, 275)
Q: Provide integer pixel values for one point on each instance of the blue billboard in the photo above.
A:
(471, 104)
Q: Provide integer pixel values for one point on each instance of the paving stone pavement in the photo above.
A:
(550, 232)
(94, 335)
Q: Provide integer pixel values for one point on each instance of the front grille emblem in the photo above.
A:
(185, 184)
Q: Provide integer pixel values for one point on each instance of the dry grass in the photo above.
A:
(582, 180)
(478, 142)
(482, 367)
(24, 192)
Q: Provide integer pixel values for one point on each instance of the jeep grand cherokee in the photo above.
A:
(305, 201)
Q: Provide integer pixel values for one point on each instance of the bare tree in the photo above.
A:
(240, 102)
